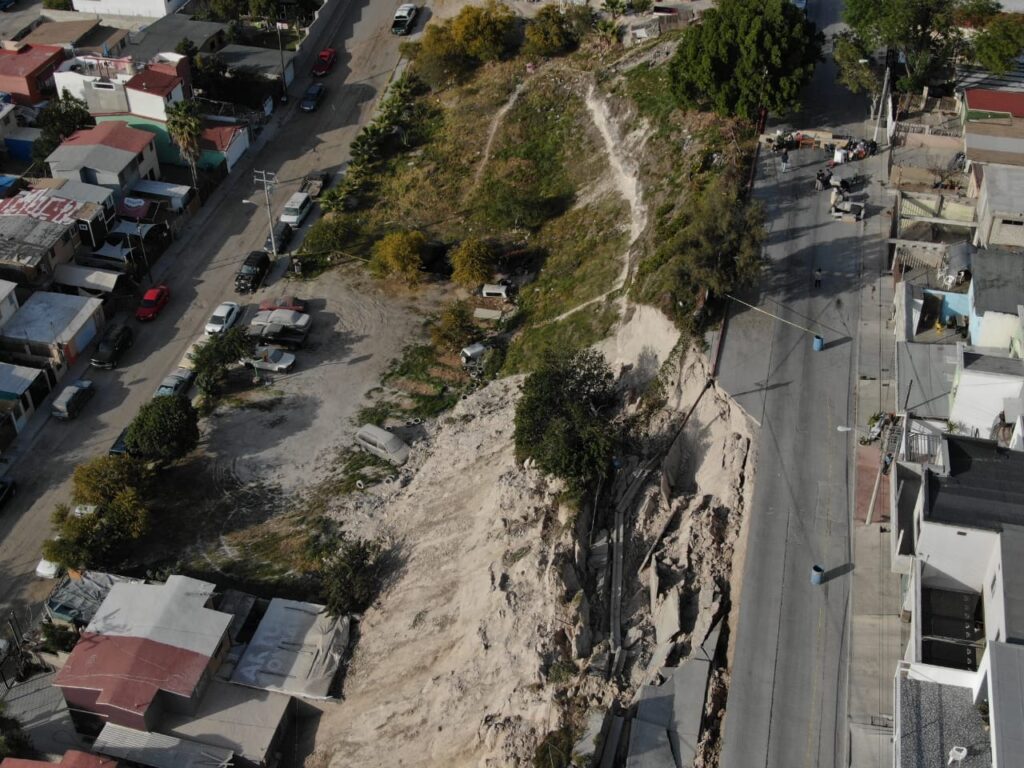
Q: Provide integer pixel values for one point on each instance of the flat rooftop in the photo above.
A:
(993, 364)
(997, 276)
(983, 488)
(47, 318)
(933, 718)
(927, 370)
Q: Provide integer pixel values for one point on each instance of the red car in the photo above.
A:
(324, 62)
(153, 301)
(283, 302)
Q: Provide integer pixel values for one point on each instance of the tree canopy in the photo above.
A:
(400, 255)
(478, 34)
(60, 119)
(166, 428)
(746, 54)
(559, 421)
(927, 33)
(185, 128)
(212, 358)
(472, 262)
(454, 327)
(998, 46)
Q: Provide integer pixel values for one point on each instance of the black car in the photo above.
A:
(252, 272)
(279, 336)
(119, 448)
(115, 341)
(282, 236)
(311, 98)
(7, 491)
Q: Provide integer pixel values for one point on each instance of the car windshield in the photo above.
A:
(291, 210)
(273, 356)
(248, 269)
(218, 319)
(147, 302)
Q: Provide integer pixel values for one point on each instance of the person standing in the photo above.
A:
(817, 278)
(785, 160)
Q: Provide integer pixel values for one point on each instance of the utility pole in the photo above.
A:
(881, 105)
(280, 50)
(269, 181)
(142, 245)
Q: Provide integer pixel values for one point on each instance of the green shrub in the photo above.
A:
(454, 328)
(399, 255)
(472, 262)
(166, 429)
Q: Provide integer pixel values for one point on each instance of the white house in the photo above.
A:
(995, 295)
(153, 9)
(118, 86)
(987, 393)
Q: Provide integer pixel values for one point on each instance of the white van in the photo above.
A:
(382, 443)
(296, 209)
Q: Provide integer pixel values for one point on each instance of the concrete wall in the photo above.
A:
(955, 558)
(152, 105)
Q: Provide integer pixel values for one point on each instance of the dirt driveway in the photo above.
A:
(308, 413)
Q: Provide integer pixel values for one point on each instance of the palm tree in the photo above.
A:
(614, 8)
(608, 32)
(185, 129)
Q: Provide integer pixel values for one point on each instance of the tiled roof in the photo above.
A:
(114, 133)
(218, 136)
(71, 759)
(28, 60)
(154, 80)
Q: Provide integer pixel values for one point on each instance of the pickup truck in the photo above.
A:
(315, 183)
(405, 19)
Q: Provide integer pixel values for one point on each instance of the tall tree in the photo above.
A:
(59, 120)
(185, 129)
(166, 428)
(927, 33)
(998, 46)
(746, 54)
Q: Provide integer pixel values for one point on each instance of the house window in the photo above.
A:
(992, 586)
(1009, 223)
(103, 86)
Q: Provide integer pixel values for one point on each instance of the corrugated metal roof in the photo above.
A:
(15, 379)
(50, 317)
(173, 613)
(157, 750)
(91, 279)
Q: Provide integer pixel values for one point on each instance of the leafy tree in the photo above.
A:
(550, 33)
(579, 19)
(59, 120)
(165, 429)
(400, 255)
(472, 261)
(227, 10)
(559, 421)
(746, 54)
(264, 9)
(856, 70)
(454, 328)
(485, 33)
(14, 742)
(212, 358)
(185, 128)
(188, 49)
(100, 480)
(641, 6)
(928, 33)
(609, 32)
(352, 577)
(211, 73)
(441, 60)
(614, 8)
(998, 46)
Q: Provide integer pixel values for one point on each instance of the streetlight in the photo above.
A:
(142, 245)
(269, 181)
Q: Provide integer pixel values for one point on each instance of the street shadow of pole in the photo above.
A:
(835, 573)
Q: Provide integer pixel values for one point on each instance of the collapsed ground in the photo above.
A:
(466, 656)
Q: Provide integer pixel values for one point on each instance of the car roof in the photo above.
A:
(226, 306)
(256, 256)
(406, 7)
(154, 291)
(296, 198)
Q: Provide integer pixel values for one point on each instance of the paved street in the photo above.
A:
(200, 270)
(788, 696)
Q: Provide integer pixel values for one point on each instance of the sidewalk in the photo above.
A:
(877, 633)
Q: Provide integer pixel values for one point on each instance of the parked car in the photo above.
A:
(296, 209)
(282, 236)
(72, 399)
(253, 272)
(311, 98)
(286, 317)
(315, 182)
(279, 336)
(224, 317)
(405, 19)
(176, 383)
(153, 300)
(8, 488)
(119, 448)
(382, 443)
(324, 62)
(47, 569)
(267, 358)
(116, 340)
(284, 302)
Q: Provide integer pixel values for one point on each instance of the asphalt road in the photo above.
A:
(200, 269)
(788, 694)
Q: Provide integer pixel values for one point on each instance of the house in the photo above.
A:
(114, 87)
(86, 36)
(987, 394)
(96, 206)
(112, 155)
(22, 391)
(164, 34)
(993, 125)
(37, 232)
(1000, 208)
(145, 671)
(265, 62)
(26, 71)
(8, 301)
(960, 532)
(222, 143)
(51, 330)
(153, 9)
(70, 759)
(995, 295)
(924, 378)
(297, 648)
